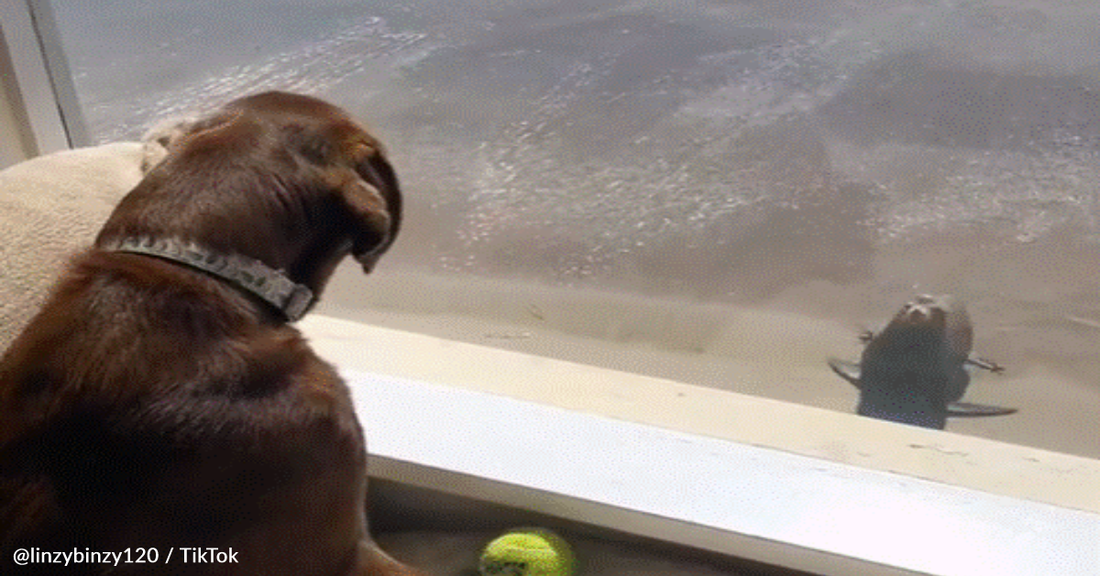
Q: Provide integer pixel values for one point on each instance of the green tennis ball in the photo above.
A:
(527, 552)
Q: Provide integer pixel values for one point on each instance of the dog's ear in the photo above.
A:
(159, 139)
(167, 135)
(370, 192)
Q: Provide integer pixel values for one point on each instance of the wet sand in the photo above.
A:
(765, 350)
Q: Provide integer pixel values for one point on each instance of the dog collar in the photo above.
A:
(268, 284)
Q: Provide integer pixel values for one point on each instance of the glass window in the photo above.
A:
(721, 193)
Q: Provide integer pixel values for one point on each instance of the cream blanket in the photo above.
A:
(51, 207)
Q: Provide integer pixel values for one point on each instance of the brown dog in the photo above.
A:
(160, 404)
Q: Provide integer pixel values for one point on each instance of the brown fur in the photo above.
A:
(152, 405)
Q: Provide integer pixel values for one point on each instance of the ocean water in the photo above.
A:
(825, 156)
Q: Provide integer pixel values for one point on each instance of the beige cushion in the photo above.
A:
(50, 208)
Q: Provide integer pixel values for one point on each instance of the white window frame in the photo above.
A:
(783, 484)
(42, 113)
(955, 504)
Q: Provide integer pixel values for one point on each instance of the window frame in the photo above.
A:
(44, 113)
(782, 484)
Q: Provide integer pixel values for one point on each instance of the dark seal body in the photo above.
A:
(918, 368)
(913, 369)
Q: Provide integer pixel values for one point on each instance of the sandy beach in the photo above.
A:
(767, 351)
(758, 183)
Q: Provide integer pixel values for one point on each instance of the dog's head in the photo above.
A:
(288, 180)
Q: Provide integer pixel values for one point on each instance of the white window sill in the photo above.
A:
(752, 478)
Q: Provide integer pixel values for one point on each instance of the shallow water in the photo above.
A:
(826, 157)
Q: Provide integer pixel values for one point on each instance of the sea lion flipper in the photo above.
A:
(849, 371)
(970, 410)
(977, 362)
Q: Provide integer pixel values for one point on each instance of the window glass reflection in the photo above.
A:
(722, 193)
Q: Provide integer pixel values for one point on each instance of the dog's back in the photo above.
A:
(152, 405)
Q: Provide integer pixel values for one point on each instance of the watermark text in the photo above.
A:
(77, 556)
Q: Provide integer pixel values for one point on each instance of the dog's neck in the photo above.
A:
(253, 276)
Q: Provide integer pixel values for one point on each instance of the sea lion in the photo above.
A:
(915, 370)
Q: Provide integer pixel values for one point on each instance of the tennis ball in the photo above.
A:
(527, 552)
